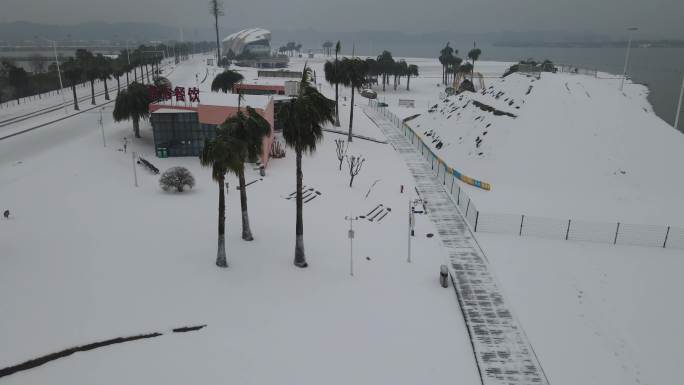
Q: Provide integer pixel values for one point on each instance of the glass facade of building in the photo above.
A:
(180, 134)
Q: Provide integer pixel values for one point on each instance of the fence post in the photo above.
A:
(567, 232)
(458, 199)
(667, 234)
(477, 219)
(617, 230)
(522, 219)
(467, 208)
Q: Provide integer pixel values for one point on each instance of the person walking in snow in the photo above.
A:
(125, 143)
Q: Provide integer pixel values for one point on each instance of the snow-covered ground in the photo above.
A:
(87, 256)
(595, 314)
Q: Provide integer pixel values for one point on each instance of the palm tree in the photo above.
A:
(411, 71)
(73, 73)
(91, 71)
(219, 154)
(104, 71)
(333, 75)
(118, 70)
(226, 80)
(473, 55)
(385, 65)
(247, 131)
(453, 67)
(353, 75)
(444, 57)
(400, 69)
(303, 119)
(132, 104)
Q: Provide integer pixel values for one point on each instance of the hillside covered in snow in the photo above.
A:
(562, 145)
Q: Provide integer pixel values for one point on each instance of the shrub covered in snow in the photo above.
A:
(176, 178)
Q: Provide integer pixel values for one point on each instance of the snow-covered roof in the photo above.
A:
(237, 41)
(231, 100)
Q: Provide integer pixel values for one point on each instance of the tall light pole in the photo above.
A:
(679, 105)
(59, 72)
(629, 48)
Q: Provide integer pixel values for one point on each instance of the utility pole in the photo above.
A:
(350, 235)
(104, 143)
(629, 48)
(135, 172)
(411, 226)
(679, 105)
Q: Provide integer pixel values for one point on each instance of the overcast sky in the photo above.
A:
(656, 18)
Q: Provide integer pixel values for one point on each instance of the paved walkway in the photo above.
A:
(503, 353)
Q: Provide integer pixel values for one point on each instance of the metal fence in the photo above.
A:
(572, 69)
(616, 233)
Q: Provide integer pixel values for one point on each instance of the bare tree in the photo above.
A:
(216, 10)
(37, 63)
(341, 150)
(355, 163)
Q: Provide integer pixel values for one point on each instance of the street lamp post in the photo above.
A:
(629, 48)
(679, 106)
(350, 235)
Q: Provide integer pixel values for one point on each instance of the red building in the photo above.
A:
(180, 128)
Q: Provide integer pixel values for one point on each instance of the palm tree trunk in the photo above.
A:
(300, 258)
(472, 74)
(221, 259)
(408, 82)
(337, 105)
(337, 95)
(136, 127)
(92, 92)
(126, 78)
(73, 88)
(106, 90)
(383, 82)
(351, 115)
(147, 70)
(246, 230)
(218, 45)
(118, 86)
(135, 73)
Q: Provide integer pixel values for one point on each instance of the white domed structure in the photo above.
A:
(254, 40)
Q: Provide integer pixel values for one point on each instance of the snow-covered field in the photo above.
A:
(595, 314)
(86, 256)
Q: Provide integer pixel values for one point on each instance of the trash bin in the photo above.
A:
(444, 276)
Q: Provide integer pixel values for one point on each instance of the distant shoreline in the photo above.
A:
(599, 44)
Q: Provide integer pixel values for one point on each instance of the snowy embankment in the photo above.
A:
(563, 146)
(86, 257)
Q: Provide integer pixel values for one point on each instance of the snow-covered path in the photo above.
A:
(503, 353)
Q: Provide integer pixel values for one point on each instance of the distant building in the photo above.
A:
(259, 89)
(256, 41)
(252, 48)
(180, 129)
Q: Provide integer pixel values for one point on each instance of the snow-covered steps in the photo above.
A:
(502, 351)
